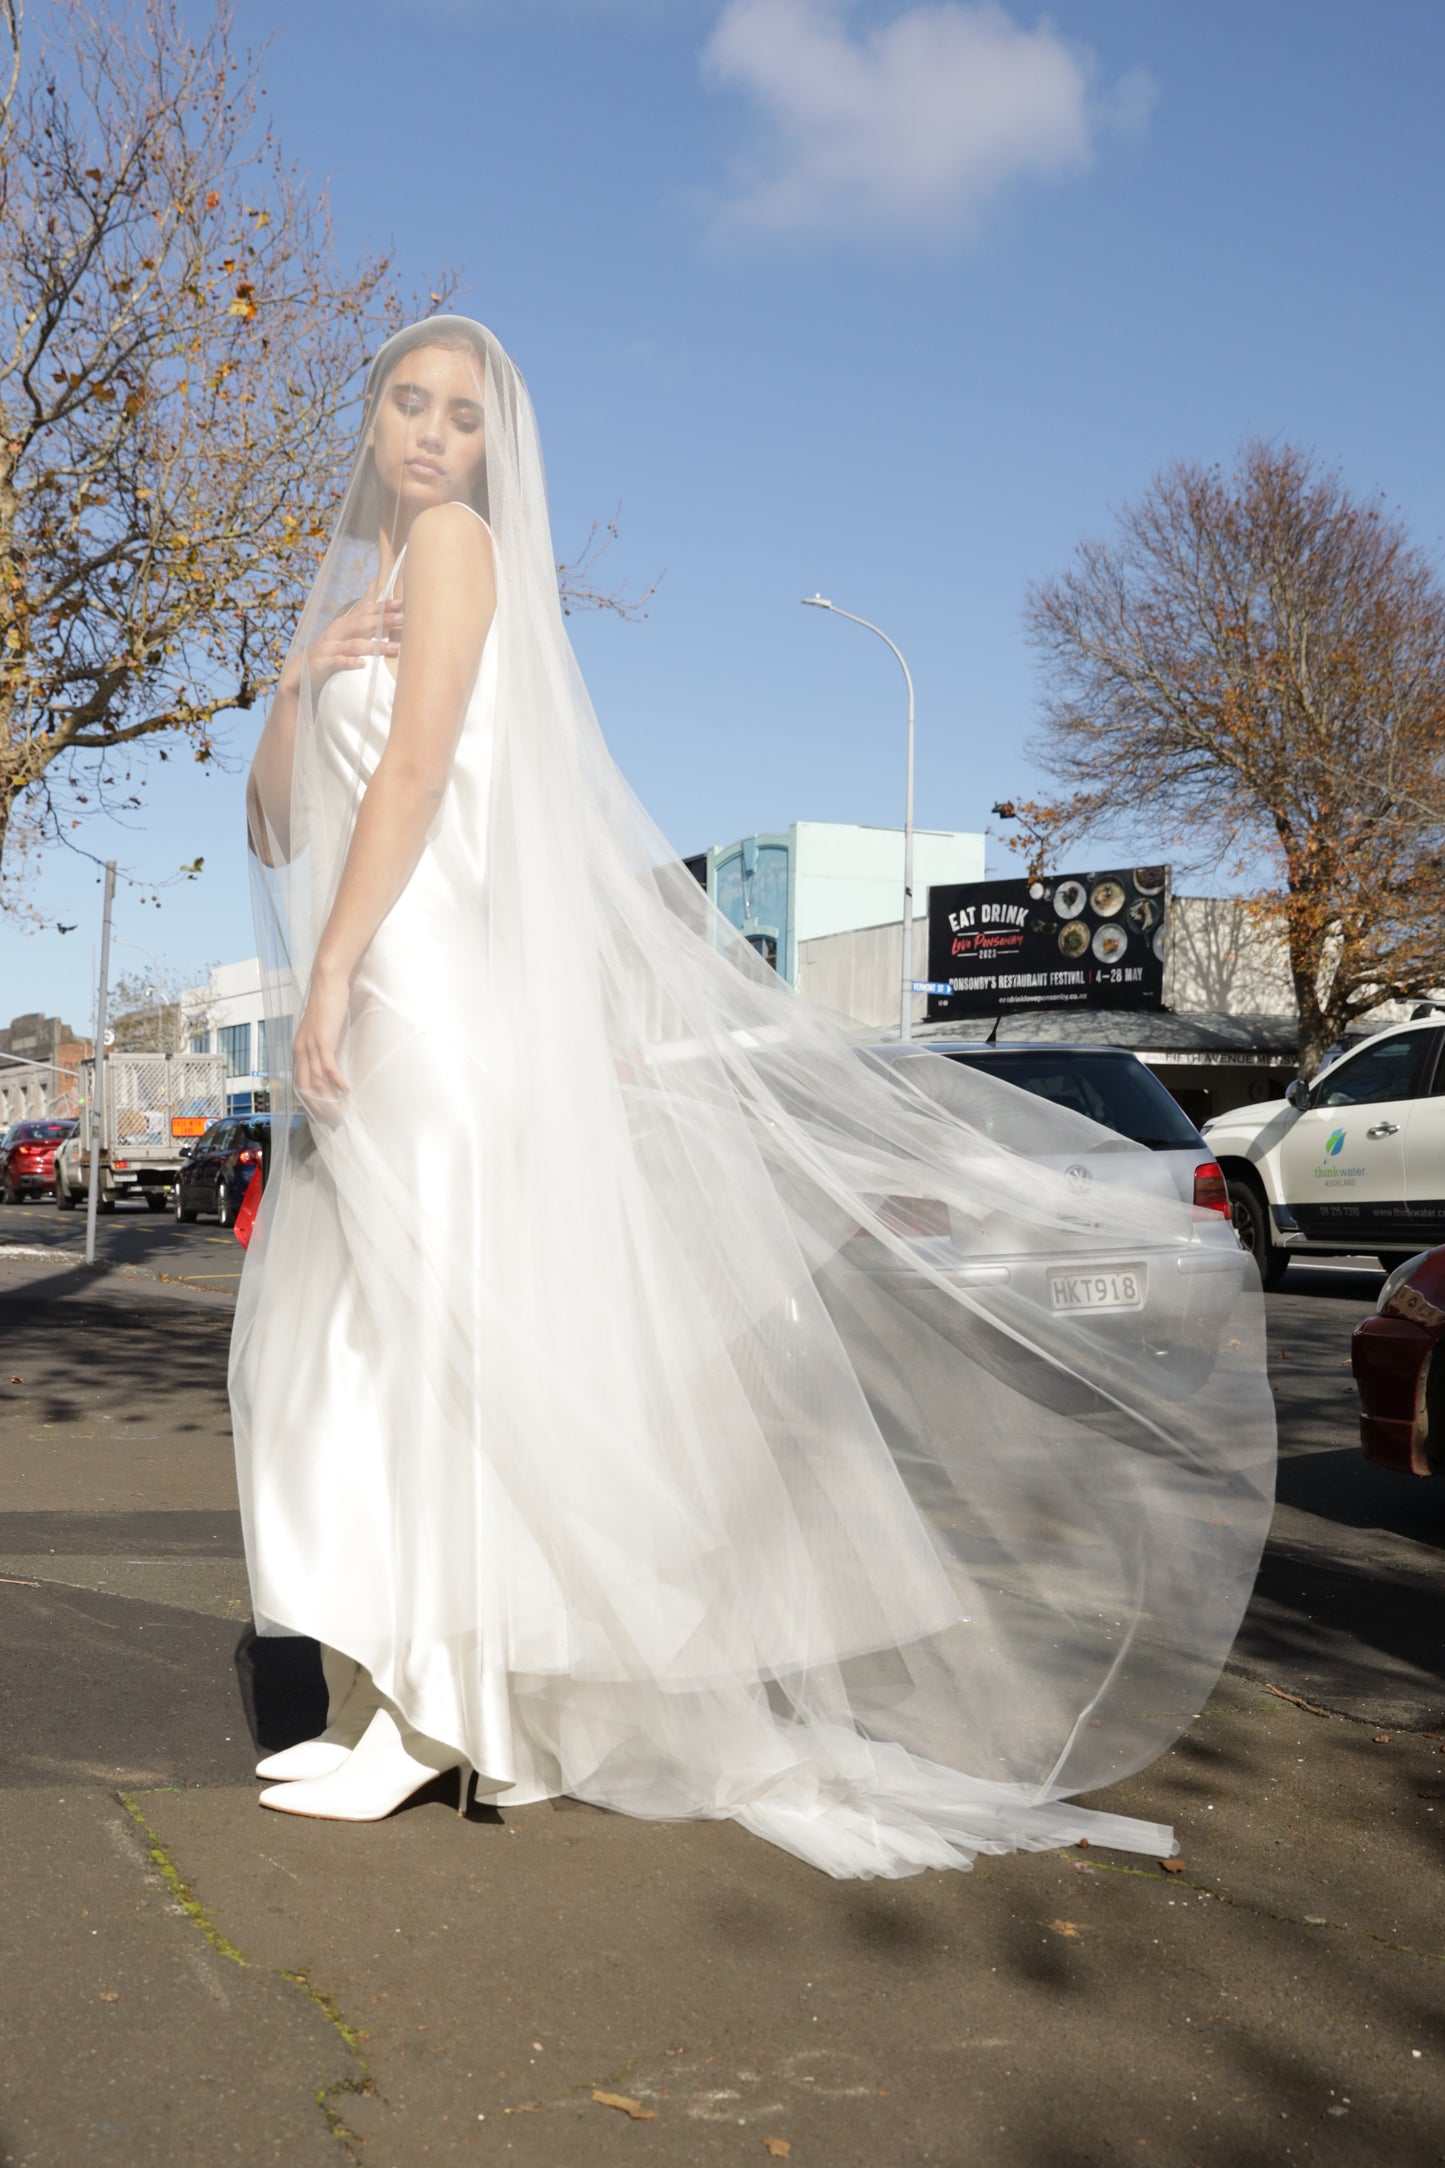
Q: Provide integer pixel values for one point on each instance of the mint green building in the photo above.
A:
(822, 877)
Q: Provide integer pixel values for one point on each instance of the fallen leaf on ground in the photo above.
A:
(634, 2108)
(1172, 1866)
(1431, 1791)
(1064, 1927)
(778, 2148)
(1382, 1738)
(109, 1995)
(17, 1381)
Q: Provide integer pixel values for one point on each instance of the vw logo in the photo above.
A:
(1078, 1177)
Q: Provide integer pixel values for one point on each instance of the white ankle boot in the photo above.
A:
(353, 1703)
(388, 1764)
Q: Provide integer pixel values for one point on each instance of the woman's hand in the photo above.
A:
(348, 643)
(315, 1065)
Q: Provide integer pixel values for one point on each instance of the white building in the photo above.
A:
(228, 1016)
(819, 878)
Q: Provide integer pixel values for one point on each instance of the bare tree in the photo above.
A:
(180, 361)
(1255, 668)
(178, 353)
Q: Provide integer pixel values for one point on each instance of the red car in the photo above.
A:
(1400, 1374)
(27, 1159)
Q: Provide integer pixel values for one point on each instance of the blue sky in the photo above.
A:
(886, 300)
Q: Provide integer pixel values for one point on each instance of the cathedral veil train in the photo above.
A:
(643, 1391)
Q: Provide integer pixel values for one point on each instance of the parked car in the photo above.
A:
(27, 1158)
(69, 1173)
(216, 1173)
(1399, 1371)
(1114, 1088)
(1353, 1160)
(1170, 1296)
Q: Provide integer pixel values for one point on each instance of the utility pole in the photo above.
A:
(905, 1011)
(97, 1069)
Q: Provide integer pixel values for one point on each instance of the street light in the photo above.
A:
(905, 1008)
(155, 989)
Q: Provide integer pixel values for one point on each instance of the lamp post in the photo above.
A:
(155, 989)
(905, 1005)
(95, 1118)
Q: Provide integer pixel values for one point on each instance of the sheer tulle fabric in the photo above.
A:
(594, 1385)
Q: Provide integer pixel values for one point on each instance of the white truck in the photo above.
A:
(155, 1107)
(1351, 1161)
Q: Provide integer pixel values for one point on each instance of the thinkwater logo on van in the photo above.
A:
(1329, 1170)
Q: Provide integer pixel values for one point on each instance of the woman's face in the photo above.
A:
(427, 434)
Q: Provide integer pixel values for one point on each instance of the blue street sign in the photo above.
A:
(930, 986)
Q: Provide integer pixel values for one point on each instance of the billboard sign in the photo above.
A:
(1061, 941)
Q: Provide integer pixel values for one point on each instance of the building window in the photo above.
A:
(236, 1046)
(751, 891)
(201, 1043)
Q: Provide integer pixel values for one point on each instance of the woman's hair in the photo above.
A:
(363, 510)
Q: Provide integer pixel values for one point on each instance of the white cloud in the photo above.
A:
(907, 128)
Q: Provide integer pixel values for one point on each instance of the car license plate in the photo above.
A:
(1119, 1288)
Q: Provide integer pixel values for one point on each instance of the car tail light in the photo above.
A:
(915, 1216)
(249, 1158)
(1211, 1191)
(120, 1162)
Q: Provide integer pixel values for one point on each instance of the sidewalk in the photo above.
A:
(187, 1979)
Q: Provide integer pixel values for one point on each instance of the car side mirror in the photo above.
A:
(185, 1151)
(1297, 1095)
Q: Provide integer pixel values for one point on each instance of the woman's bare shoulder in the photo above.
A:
(450, 531)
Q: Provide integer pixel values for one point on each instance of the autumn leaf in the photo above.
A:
(778, 2148)
(1066, 1927)
(1172, 1866)
(634, 2108)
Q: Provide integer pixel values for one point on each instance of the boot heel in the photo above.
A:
(465, 1773)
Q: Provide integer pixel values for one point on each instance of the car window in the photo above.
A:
(1112, 1089)
(215, 1138)
(1385, 1069)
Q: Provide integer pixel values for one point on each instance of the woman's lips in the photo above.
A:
(426, 468)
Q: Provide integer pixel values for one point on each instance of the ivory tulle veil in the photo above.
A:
(648, 1383)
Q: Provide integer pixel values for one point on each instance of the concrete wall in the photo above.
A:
(1222, 958)
(858, 974)
(1219, 959)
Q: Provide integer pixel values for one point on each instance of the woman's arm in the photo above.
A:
(349, 642)
(268, 786)
(450, 600)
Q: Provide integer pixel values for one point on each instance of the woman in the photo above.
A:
(642, 1390)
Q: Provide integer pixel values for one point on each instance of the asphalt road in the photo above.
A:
(200, 1255)
(189, 1979)
(1347, 1610)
